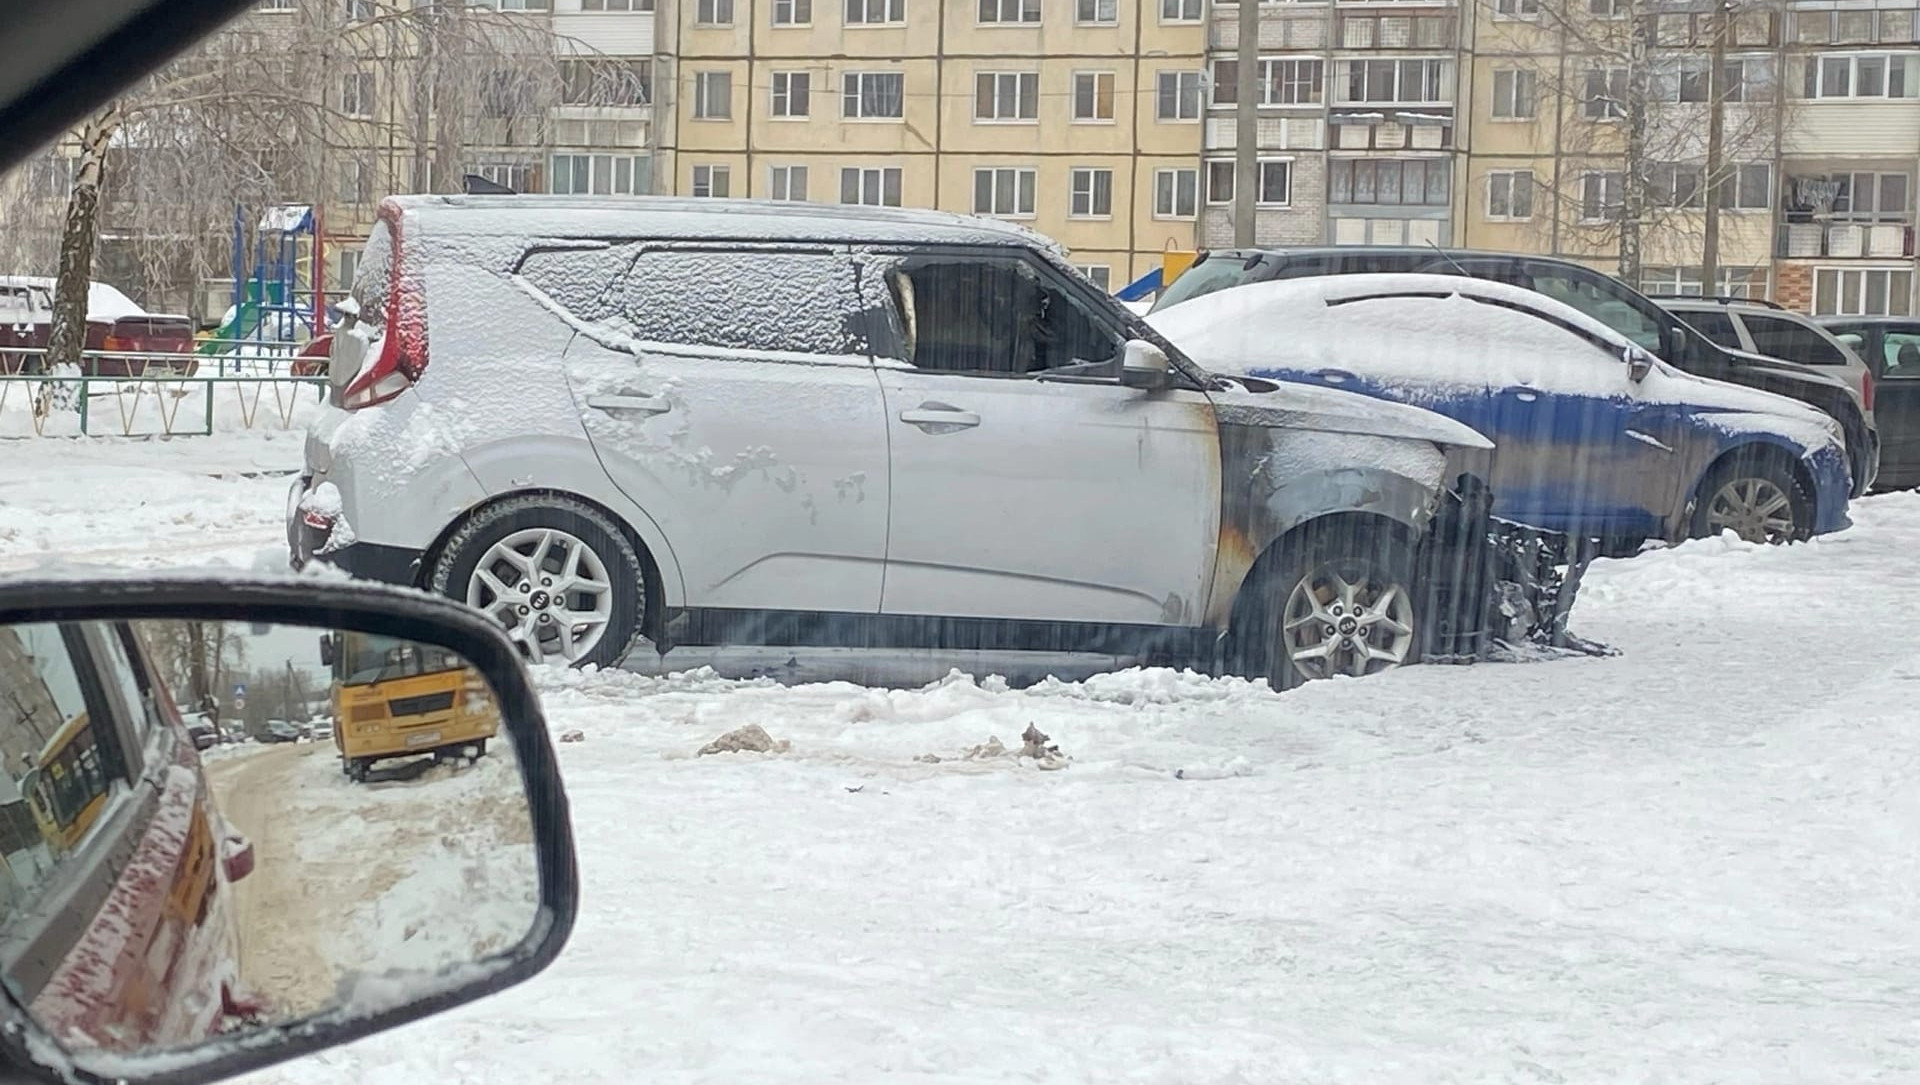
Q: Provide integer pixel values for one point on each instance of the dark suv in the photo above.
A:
(1595, 293)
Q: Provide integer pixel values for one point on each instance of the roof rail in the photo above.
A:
(1724, 299)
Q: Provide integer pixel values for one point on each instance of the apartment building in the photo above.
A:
(1079, 118)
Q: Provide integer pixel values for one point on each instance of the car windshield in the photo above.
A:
(1184, 543)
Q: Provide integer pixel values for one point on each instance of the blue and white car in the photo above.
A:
(1594, 435)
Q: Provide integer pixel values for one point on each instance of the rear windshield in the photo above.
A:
(374, 276)
(1205, 277)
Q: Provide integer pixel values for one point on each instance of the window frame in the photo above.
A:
(721, 172)
(793, 11)
(706, 14)
(1092, 192)
(780, 92)
(1511, 176)
(894, 12)
(1113, 95)
(998, 79)
(1173, 213)
(1517, 77)
(1612, 180)
(853, 90)
(703, 94)
(881, 173)
(1110, 20)
(1019, 9)
(780, 183)
(1026, 191)
(1177, 76)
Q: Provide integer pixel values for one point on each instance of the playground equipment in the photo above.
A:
(279, 302)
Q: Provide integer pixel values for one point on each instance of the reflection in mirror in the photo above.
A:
(208, 827)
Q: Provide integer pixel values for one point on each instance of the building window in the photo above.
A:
(1862, 291)
(790, 94)
(356, 182)
(1093, 96)
(1604, 94)
(1418, 181)
(873, 96)
(1514, 93)
(518, 176)
(1600, 196)
(359, 11)
(792, 12)
(1176, 193)
(1676, 184)
(273, 5)
(1276, 182)
(787, 182)
(616, 5)
(1010, 11)
(1282, 82)
(1849, 197)
(1096, 12)
(1516, 9)
(356, 94)
(1607, 9)
(715, 182)
(713, 96)
(1177, 96)
(713, 13)
(1865, 76)
(1099, 275)
(1749, 187)
(876, 12)
(1180, 11)
(877, 187)
(1008, 193)
(1735, 282)
(1510, 195)
(1092, 194)
(508, 5)
(1006, 96)
(1390, 81)
(599, 175)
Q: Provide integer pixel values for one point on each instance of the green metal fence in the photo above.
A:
(112, 391)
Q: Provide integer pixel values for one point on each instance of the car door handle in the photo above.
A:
(939, 414)
(1524, 395)
(1334, 376)
(629, 402)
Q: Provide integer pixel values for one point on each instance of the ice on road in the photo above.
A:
(1698, 861)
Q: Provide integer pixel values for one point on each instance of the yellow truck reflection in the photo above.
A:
(397, 698)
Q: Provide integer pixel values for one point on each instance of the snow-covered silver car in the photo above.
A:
(707, 423)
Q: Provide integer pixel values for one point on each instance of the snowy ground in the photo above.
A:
(1698, 861)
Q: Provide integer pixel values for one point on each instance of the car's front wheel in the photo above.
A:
(1756, 497)
(1340, 601)
(556, 572)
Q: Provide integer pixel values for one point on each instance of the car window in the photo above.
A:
(1777, 337)
(1214, 273)
(1592, 296)
(1716, 325)
(994, 316)
(1902, 353)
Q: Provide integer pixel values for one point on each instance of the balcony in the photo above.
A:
(1844, 240)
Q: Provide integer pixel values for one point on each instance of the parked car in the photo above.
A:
(149, 344)
(1593, 435)
(1594, 293)
(279, 731)
(1890, 345)
(799, 424)
(1765, 328)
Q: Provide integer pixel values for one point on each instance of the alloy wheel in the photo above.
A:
(1336, 625)
(549, 589)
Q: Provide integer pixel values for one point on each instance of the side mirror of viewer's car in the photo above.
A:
(1145, 366)
(178, 907)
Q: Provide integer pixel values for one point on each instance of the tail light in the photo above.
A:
(403, 348)
(1866, 391)
(117, 343)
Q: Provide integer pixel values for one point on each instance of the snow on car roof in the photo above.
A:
(103, 301)
(697, 220)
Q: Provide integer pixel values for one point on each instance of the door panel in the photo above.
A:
(1896, 404)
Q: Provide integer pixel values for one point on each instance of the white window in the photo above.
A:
(1006, 96)
(1748, 187)
(274, 5)
(1010, 11)
(512, 5)
(713, 181)
(1276, 182)
(1093, 94)
(792, 12)
(599, 175)
(1735, 282)
(787, 182)
(1390, 181)
(1510, 195)
(1514, 92)
(1516, 9)
(1177, 96)
(1180, 11)
(1876, 75)
(1749, 79)
(791, 91)
(1607, 9)
(878, 187)
(1282, 81)
(1604, 94)
(713, 13)
(713, 96)
(1099, 274)
(873, 96)
(618, 5)
(876, 12)
(1176, 193)
(360, 10)
(1389, 81)
(1862, 291)
(1676, 184)
(356, 94)
(1600, 196)
(1092, 194)
(1008, 193)
(1097, 12)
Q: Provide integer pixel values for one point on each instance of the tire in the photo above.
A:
(1734, 491)
(1375, 565)
(608, 598)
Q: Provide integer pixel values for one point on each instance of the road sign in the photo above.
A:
(239, 690)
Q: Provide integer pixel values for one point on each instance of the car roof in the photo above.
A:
(693, 219)
(1835, 319)
(1358, 251)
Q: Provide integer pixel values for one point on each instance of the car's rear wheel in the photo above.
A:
(556, 572)
(1755, 496)
(1339, 601)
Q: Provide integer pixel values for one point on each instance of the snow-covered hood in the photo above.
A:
(1253, 402)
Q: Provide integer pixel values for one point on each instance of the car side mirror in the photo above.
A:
(181, 915)
(1677, 344)
(1639, 363)
(1145, 366)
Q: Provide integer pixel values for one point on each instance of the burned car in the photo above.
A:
(612, 421)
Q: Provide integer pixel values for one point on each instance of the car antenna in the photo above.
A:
(1435, 246)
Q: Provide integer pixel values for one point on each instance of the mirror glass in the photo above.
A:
(208, 827)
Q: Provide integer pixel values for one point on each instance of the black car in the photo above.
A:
(1595, 293)
(1890, 345)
